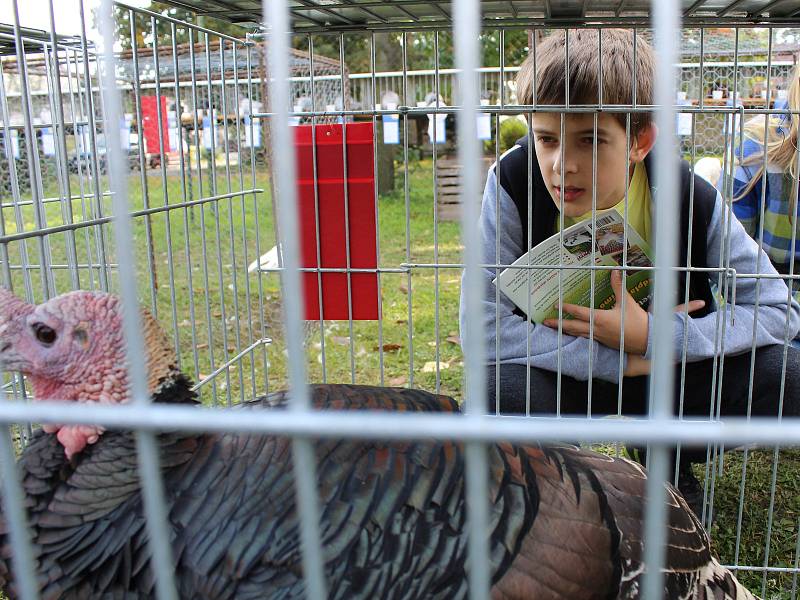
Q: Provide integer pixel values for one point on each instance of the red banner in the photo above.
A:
(335, 225)
(150, 124)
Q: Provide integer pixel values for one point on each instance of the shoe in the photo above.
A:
(691, 489)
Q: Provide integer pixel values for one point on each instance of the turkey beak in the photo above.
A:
(12, 317)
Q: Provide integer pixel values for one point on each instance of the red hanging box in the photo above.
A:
(336, 225)
(150, 124)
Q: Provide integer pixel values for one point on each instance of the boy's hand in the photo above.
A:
(636, 366)
(607, 322)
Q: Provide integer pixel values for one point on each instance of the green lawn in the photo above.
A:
(754, 499)
(222, 236)
(192, 270)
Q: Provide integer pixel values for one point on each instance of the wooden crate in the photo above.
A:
(448, 187)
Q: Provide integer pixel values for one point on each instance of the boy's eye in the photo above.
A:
(546, 139)
(590, 140)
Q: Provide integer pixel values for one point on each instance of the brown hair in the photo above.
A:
(781, 149)
(618, 73)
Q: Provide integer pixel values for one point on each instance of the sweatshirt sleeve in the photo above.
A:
(510, 338)
(732, 329)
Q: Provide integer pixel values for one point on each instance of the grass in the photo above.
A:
(191, 268)
(755, 499)
(223, 237)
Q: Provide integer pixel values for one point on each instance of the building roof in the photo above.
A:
(32, 39)
(219, 51)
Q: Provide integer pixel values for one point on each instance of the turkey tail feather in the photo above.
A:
(715, 582)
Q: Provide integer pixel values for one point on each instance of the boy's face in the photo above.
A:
(575, 189)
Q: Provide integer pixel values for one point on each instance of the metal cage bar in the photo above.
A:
(302, 451)
(71, 207)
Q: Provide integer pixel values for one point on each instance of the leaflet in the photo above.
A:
(540, 285)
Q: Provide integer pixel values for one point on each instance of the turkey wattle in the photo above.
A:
(565, 523)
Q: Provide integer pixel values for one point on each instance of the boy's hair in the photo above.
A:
(585, 63)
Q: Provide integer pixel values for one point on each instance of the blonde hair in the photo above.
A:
(619, 72)
(781, 149)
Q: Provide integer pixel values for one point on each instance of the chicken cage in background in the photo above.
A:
(177, 141)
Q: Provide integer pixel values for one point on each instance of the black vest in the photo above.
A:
(514, 165)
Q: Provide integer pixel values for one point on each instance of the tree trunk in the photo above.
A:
(266, 131)
(388, 55)
(385, 172)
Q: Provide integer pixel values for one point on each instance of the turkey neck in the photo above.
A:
(161, 361)
(175, 388)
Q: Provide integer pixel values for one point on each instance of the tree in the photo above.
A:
(420, 49)
(144, 31)
(356, 48)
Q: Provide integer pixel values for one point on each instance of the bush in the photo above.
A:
(23, 175)
(511, 130)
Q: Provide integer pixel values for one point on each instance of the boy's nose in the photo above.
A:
(569, 164)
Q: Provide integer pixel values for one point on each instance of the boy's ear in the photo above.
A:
(644, 142)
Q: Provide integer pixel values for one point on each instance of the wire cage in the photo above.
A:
(197, 221)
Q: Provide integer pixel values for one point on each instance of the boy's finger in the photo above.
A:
(579, 312)
(577, 328)
(570, 327)
(616, 281)
(616, 285)
(691, 306)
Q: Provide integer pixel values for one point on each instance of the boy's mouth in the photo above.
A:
(570, 192)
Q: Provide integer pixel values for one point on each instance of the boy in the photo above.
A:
(521, 353)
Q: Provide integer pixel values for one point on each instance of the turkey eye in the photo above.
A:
(44, 334)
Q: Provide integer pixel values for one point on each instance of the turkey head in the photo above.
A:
(72, 349)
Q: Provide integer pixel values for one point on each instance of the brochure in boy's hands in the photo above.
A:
(609, 238)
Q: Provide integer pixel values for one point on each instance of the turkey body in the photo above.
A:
(564, 523)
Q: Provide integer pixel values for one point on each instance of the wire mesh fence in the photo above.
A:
(177, 136)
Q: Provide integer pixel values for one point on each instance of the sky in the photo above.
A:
(36, 14)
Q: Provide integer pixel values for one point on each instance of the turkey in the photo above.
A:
(565, 522)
